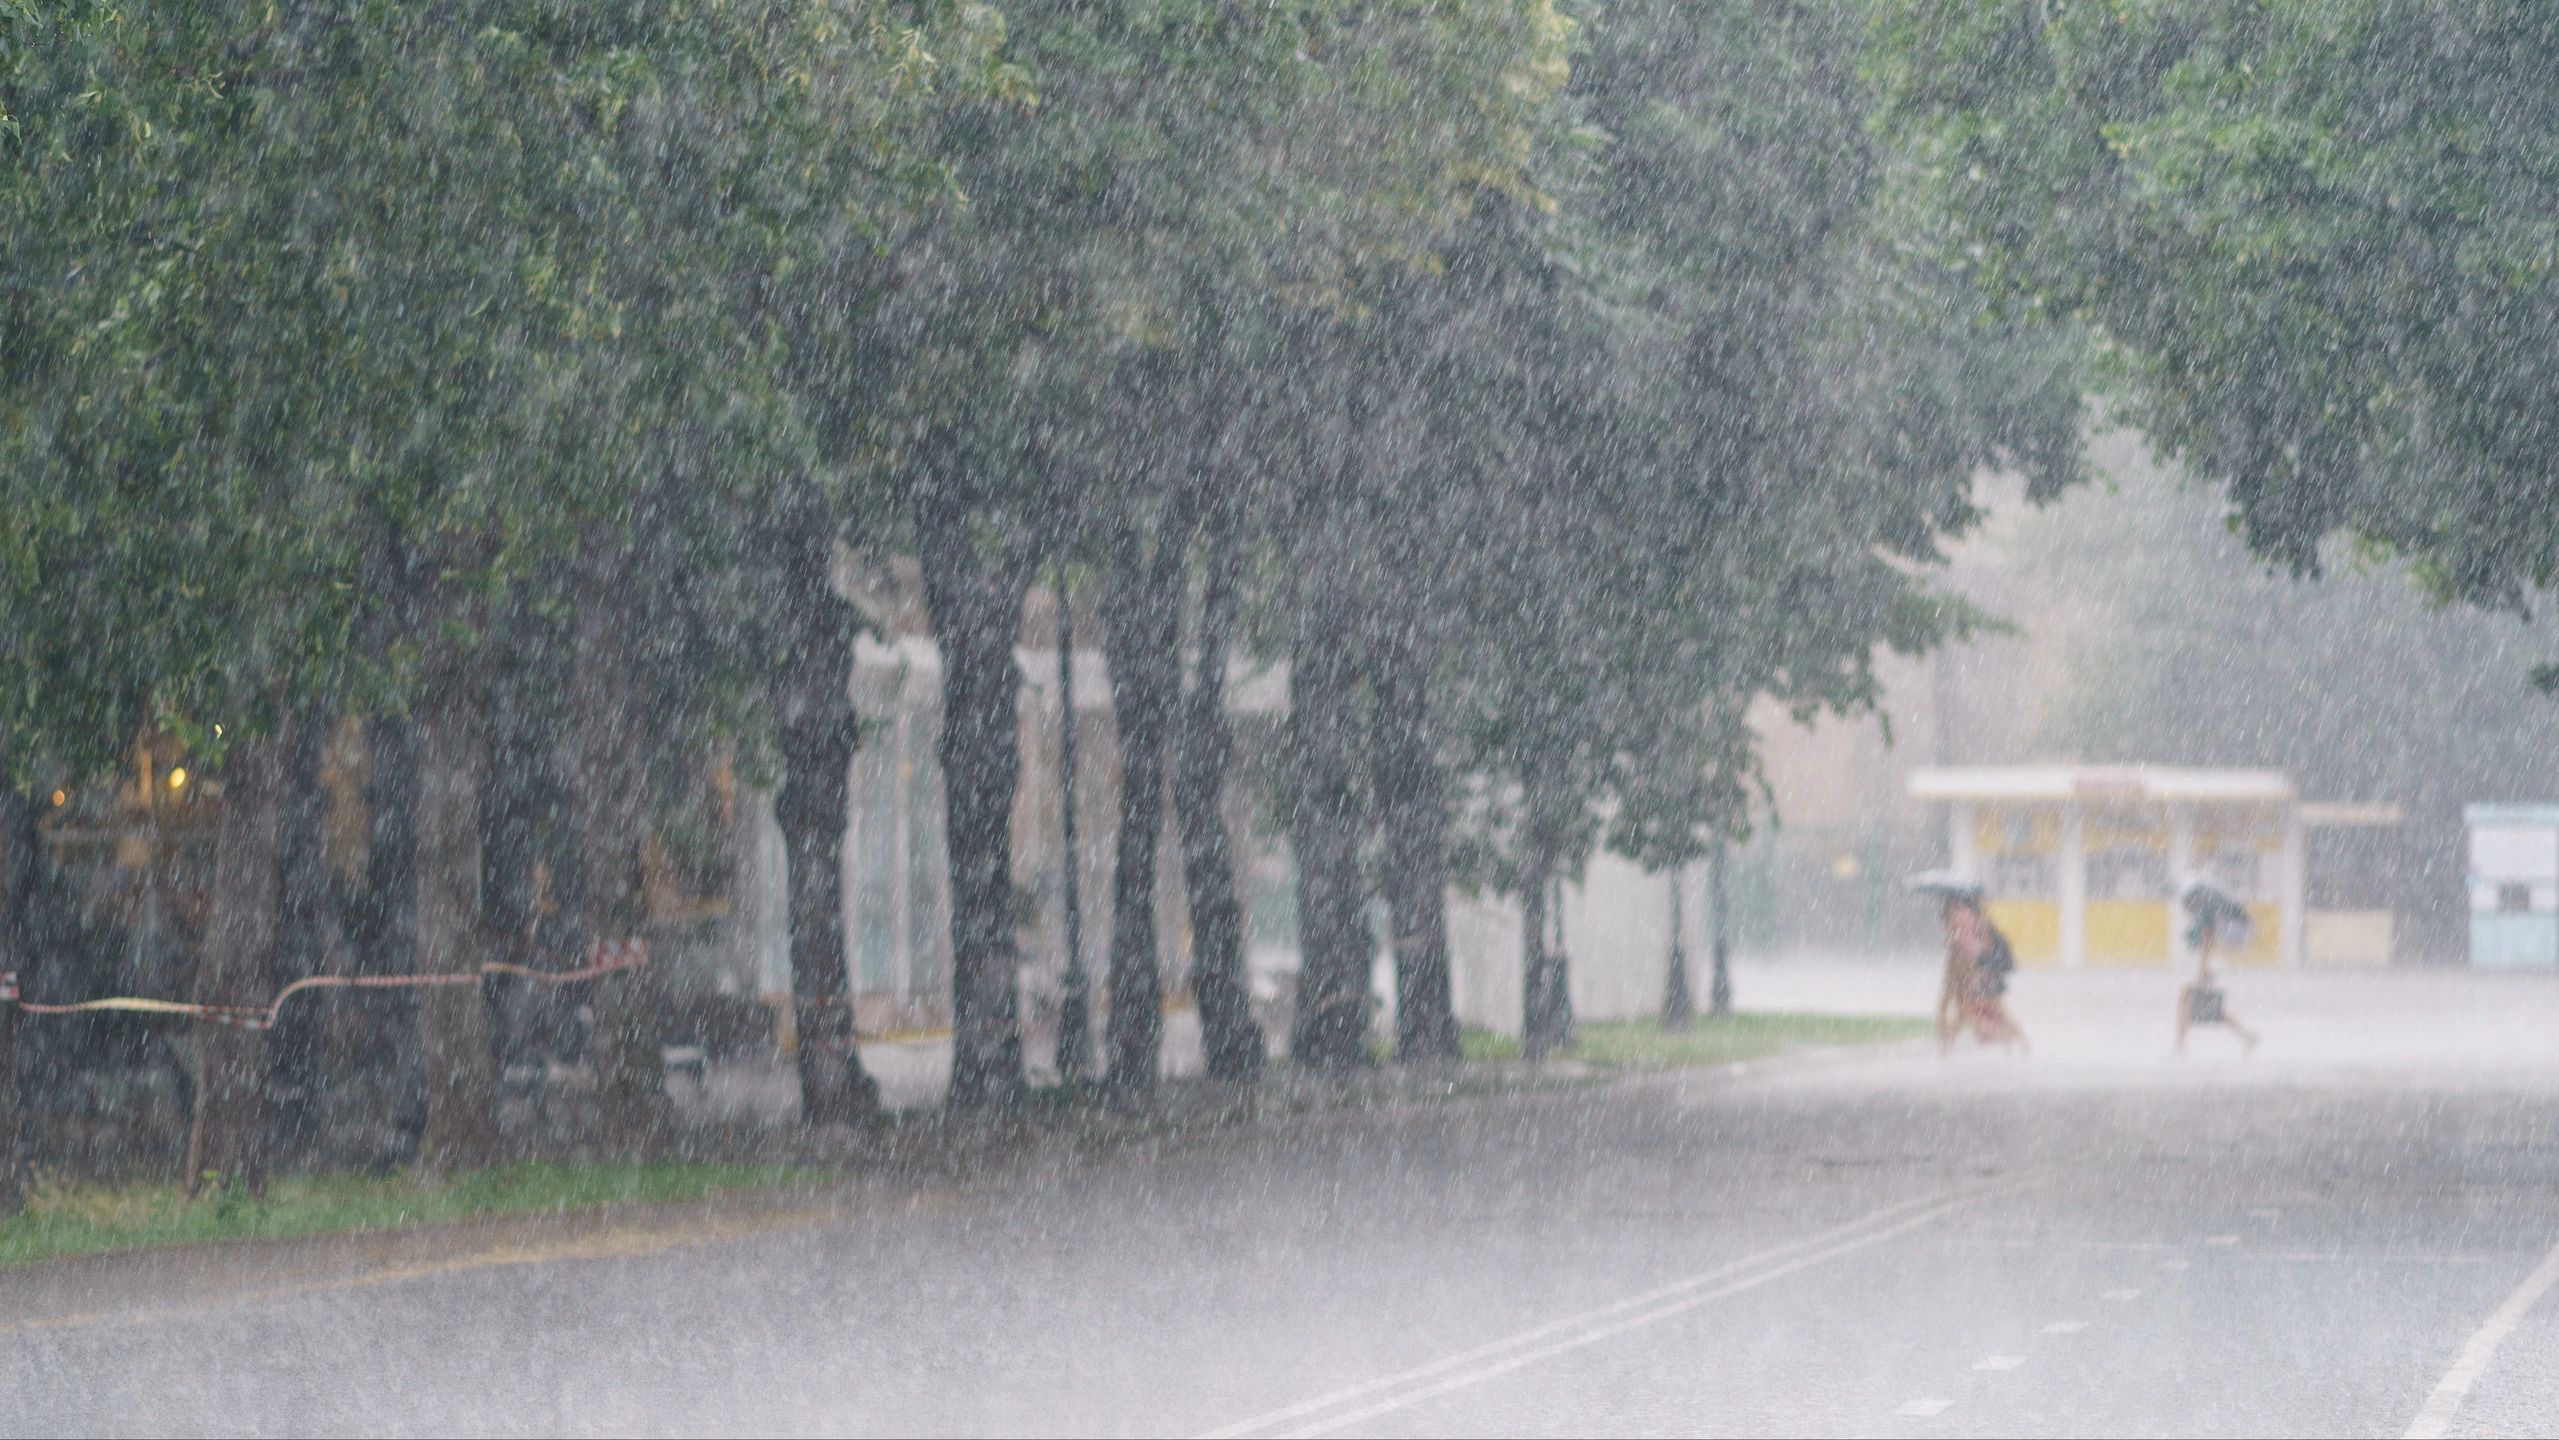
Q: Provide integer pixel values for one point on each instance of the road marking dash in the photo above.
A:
(1925, 1405)
(2065, 1327)
(2174, 1264)
(1999, 1362)
(2123, 1295)
(2223, 1240)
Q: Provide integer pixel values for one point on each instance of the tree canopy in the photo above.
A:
(2310, 240)
(1543, 385)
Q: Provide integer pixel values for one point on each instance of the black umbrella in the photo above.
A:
(2215, 910)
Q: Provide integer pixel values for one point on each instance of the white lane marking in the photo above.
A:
(1926, 1405)
(2445, 1402)
(2123, 1295)
(2146, 1245)
(2065, 1327)
(1999, 1362)
(2223, 1240)
(2358, 1257)
(1667, 1300)
(2173, 1264)
(1593, 1337)
(2333, 1257)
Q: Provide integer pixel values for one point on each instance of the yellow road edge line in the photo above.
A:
(627, 1242)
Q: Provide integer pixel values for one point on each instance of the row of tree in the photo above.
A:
(1542, 389)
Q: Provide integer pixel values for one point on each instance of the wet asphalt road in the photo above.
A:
(1874, 1245)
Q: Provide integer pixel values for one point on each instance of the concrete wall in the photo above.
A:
(1616, 929)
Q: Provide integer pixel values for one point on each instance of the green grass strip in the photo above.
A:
(63, 1220)
(1724, 1040)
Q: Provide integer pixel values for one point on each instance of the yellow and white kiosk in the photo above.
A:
(2080, 864)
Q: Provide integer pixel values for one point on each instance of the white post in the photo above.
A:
(1963, 840)
(2292, 876)
(2072, 882)
(902, 883)
(2181, 863)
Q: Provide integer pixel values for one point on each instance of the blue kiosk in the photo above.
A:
(2514, 886)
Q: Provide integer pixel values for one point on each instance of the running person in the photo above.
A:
(1978, 961)
(2202, 1002)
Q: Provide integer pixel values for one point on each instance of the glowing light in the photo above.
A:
(178, 778)
(61, 797)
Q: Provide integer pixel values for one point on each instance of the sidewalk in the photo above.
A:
(912, 1075)
(2120, 1025)
(2110, 1026)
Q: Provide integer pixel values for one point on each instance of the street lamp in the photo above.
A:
(1719, 996)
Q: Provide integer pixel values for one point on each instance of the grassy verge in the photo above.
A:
(1645, 1045)
(65, 1220)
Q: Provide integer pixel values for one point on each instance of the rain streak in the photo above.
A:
(1279, 717)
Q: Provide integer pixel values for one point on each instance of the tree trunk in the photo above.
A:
(818, 733)
(976, 609)
(1330, 1028)
(525, 851)
(1545, 990)
(1533, 1031)
(229, 1138)
(19, 843)
(306, 939)
(370, 1029)
(622, 1045)
(1559, 973)
(1141, 619)
(1413, 801)
(811, 809)
(454, 1033)
(1679, 1003)
(1074, 1001)
(1205, 746)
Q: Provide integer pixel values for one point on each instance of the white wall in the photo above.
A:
(1616, 929)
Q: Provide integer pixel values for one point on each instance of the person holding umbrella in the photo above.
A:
(1978, 961)
(2217, 915)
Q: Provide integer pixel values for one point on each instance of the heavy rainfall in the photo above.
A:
(1279, 717)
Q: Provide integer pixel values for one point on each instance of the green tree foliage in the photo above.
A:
(1542, 406)
(1728, 374)
(2312, 238)
(347, 316)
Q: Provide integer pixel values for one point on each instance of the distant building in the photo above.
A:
(2082, 863)
(2514, 886)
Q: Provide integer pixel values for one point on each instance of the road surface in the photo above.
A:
(2348, 1233)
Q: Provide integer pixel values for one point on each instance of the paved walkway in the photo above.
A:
(2088, 1027)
